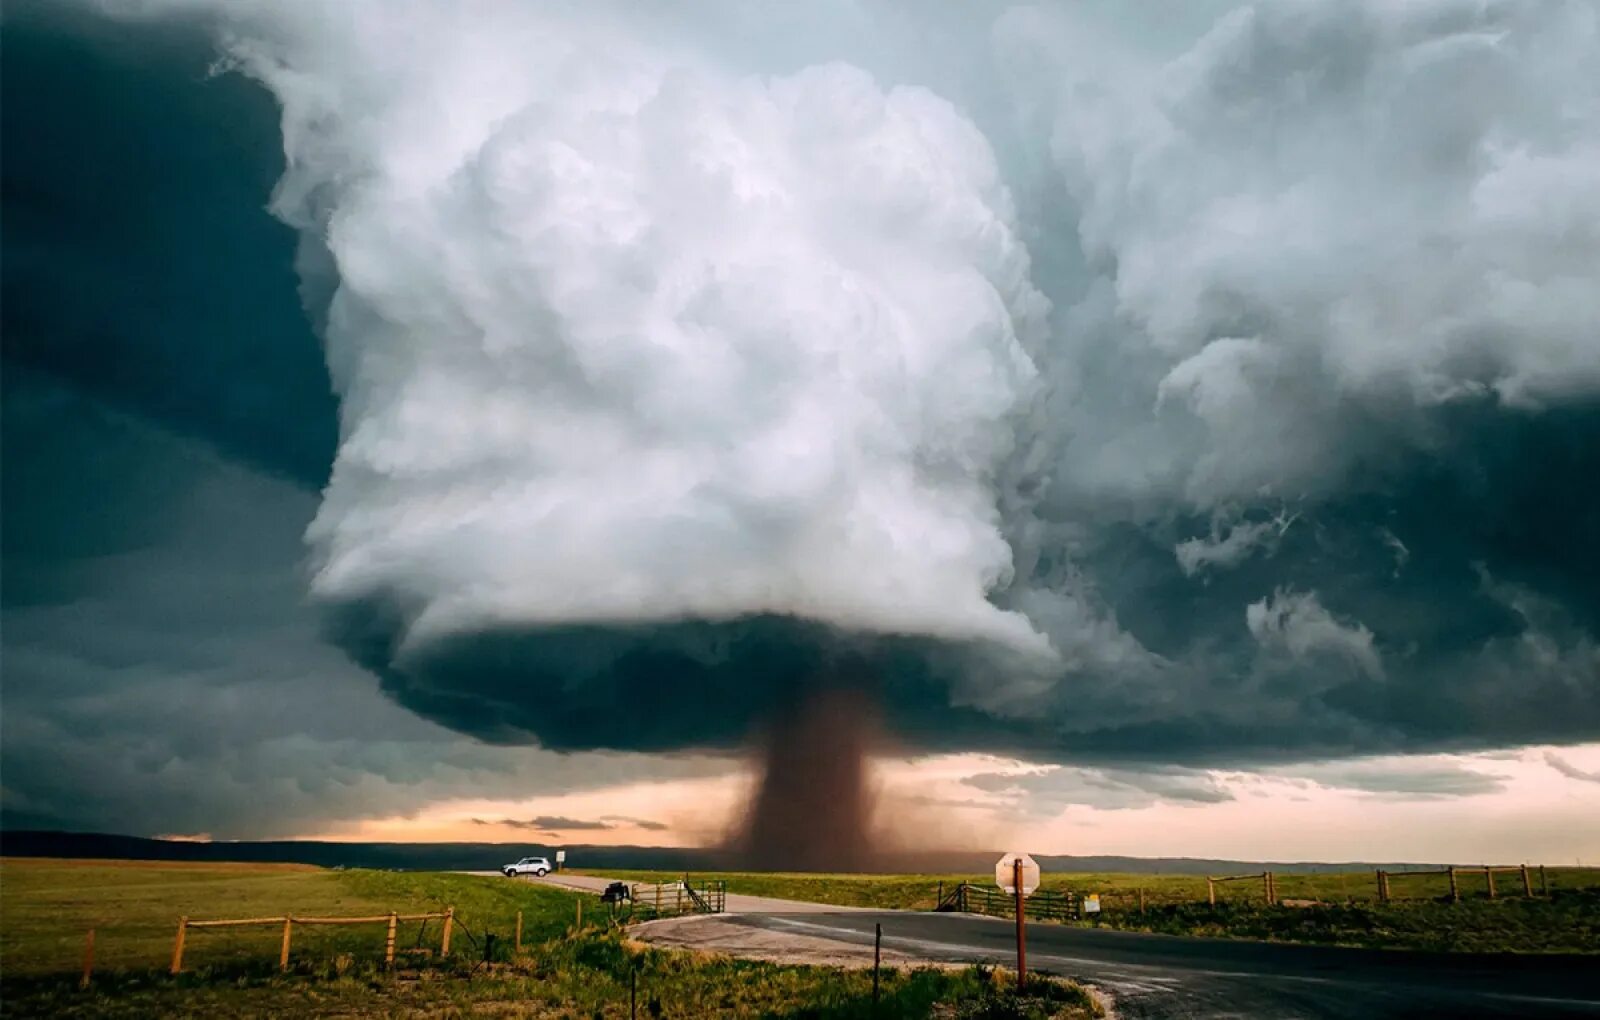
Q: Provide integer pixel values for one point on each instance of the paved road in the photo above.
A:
(1157, 976)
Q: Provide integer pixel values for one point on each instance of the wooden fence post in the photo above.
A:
(939, 898)
(177, 945)
(1544, 887)
(579, 922)
(1141, 899)
(1488, 879)
(283, 952)
(88, 959)
(1527, 882)
(1266, 882)
(449, 922)
(388, 944)
(1455, 886)
(877, 959)
(518, 942)
(1211, 891)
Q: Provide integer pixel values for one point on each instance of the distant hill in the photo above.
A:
(489, 856)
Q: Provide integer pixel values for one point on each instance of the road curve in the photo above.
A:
(1159, 976)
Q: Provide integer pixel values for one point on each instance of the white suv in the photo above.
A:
(527, 866)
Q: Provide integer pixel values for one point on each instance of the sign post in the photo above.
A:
(1022, 930)
(1018, 874)
(561, 858)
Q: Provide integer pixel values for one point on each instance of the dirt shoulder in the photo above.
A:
(723, 936)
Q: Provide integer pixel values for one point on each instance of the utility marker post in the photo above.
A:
(1018, 874)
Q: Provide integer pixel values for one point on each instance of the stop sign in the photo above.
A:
(1005, 873)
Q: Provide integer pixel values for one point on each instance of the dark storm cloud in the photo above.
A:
(1049, 792)
(1399, 780)
(642, 823)
(1568, 769)
(547, 823)
(140, 264)
(1250, 556)
(558, 822)
(554, 823)
(162, 671)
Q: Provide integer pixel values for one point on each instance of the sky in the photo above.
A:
(482, 421)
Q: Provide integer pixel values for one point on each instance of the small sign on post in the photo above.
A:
(1005, 874)
(561, 858)
(1018, 875)
(1091, 903)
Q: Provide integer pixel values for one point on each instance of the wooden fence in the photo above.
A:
(1043, 905)
(1488, 871)
(288, 922)
(670, 899)
(1268, 886)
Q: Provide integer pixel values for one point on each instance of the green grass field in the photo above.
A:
(1337, 909)
(46, 906)
(1116, 889)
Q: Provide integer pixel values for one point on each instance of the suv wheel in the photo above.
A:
(539, 872)
(511, 872)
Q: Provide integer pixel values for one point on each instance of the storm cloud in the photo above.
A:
(600, 379)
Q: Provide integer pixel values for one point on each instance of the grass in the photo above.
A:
(1116, 889)
(568, 972)
(1336, 909)
(47, 906)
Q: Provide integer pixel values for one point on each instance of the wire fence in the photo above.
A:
(395, 938)
(1265, 888)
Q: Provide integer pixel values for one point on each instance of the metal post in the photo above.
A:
(1022, 927)
(283, 951)
(177, 946)
(1455, 886)
(88, 959)
(939, 902)
(449, 922)
(633, 991)
(877, 958)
